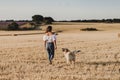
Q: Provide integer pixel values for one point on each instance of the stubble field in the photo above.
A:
(24, 57)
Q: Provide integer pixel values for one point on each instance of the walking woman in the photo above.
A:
(50, 43)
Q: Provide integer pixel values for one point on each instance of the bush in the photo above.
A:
(13, 26)
(48, 20)
(89, 29)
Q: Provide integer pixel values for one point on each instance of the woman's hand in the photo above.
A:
(55, 47)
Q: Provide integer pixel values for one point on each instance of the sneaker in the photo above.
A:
(50, 62)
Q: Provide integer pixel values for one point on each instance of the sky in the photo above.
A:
(59, 9)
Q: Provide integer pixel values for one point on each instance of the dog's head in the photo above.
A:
(65, 50)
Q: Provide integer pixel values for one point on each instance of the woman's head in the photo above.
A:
(49, 29)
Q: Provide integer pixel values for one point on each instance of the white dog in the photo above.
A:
(69, 55)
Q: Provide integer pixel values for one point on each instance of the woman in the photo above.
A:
(50, 43)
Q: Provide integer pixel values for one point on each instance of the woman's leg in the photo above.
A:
(52, 50)
(49, 52)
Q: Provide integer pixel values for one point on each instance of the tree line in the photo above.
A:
(37, 21)
(95, 21)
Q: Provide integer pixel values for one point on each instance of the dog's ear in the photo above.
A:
(63, 49)
(78, 51)
(67, 50)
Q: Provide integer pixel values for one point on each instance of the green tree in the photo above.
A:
(13, 26)
(38, 19)
(48, 20)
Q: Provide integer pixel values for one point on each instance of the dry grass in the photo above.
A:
(24, 58)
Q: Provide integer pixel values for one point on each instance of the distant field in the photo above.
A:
(69, 26)
(23, 57)
(12, 33)
(73, 27)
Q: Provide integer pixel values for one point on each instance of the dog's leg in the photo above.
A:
(73, 63)
(68, 61)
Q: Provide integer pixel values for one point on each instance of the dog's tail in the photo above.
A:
(76, 51)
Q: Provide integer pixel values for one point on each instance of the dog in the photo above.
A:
(70, 55)
(118, 35)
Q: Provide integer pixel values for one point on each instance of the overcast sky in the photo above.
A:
(60, 9)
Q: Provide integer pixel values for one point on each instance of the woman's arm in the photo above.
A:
(54, 41)
(44, 39)
(55, 45)
(45, 44)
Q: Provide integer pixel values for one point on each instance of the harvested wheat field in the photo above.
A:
(23, 57)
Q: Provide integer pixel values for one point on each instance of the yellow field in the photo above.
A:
(23, 57)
